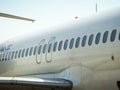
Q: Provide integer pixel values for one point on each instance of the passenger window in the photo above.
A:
(9, 55)
(84, 41)
(90, 39)
(35, 48)
(49, 47)
(6, 56)
(27, 52)
(119, 35)
(0, 56)
(30, 53)
(71, 43)
(65, 44)
(19, 53)
(23, 52)
(3, 57)
(55, 46)
(105, 36)
(12, 55)
(97, 40)
(77, 42)
(39, 50)
(44, 48)
(16, 54)
(113, 35)
(60, 45)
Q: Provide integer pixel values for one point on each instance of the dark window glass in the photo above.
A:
(3, 57)
(113, 35)
(105, 36)
(0, 56)
(65, 44)
(39, 50)
(16, 54)
(90, 39)
(31, 49)
(119, 35)
(55, 46)
(84, 41)
(19, 54)
(71, 43)
(44, 48)
(49, 47)
(27, 52)
(23, 52)
(35, 48)
(6, 56)
(97, 40)
(9, 55)
(60, 45)
(77, 42)
(12, 55)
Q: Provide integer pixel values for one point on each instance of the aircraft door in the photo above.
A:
(39, 56)
(50, 49)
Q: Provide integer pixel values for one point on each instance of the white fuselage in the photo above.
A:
(81, 54)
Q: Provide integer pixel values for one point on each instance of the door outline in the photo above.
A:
(50, 54)
(39, 57)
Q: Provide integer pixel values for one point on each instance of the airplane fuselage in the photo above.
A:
(86, 52)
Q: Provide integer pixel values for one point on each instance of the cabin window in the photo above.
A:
(113, 35)
(26, 54)
(119, 35)
(97, 40)
(19, 53)
(90, 39)
(16, 54)
(55, 46)
(49, 47)
(65, 44)
(9, 55)
(6, 56)
(0, 56)
(3, 57)
(84, 41)
(35, 48)
(77, 42)
(60, 45)
(23, 52)
(71, 43)
(12, 55)
(105, 36)
(31, 49)
(44, 48)
(39, 50)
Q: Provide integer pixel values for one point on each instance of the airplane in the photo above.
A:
(84, 55)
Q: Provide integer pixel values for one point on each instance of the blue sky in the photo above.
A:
(47, 13)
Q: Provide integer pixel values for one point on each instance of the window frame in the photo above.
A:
(84, 40)
(90, 40)
(97, 38)
(55, 46)
(65, 44)
(71, 44)
(77, 43)
(35, 50)
(30, 51)
(40, 49)
(113, 35)
(60, 45)
(105, 36)
(44, 48)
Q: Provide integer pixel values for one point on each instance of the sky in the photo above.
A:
(47, 13)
